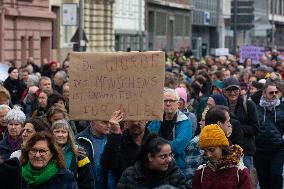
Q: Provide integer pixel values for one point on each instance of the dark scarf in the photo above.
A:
(15, 144)
(3, 130)
(166, 128)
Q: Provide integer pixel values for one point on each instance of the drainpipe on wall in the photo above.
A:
(81, 24)
(2, 34)
(140, 25)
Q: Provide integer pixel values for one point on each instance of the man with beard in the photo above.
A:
(122, 147)
(269, 156)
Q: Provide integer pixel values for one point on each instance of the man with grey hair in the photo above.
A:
(58, 80)
(175, 127)
(4, 109)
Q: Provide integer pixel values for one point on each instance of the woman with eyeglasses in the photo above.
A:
(43, 164)
(155, 167)
(76, 159)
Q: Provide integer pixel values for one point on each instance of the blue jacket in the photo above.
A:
(63, 179)
(271, 129)
(84, 139)
(181, 138)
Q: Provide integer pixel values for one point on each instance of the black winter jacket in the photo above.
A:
(237, 136)
(63, 179)
(248, 122)
(137, 177)
(81, 168)
(120, 153)
(269, 138)
(15, 88)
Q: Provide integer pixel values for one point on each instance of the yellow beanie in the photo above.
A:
(212, 136)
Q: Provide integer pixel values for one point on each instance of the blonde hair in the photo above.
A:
(71, 138)
(4, 93)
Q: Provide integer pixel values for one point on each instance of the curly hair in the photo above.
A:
(4, 93)
(58, 156)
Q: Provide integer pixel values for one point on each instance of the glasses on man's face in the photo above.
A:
(273, 92)
(232, 90)
(166, 156)
(169, 101)
(41, 152)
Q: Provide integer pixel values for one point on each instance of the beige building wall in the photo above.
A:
(64, 33)
(98, 24)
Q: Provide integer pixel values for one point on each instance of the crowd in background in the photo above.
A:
(223, 127)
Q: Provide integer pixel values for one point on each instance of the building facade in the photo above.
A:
(168, 24)
(129, 25)
(98, 27)
(205, 21)
(276, 18)
(26, 31)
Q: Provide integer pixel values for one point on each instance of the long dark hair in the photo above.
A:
(39, 124)
(152, 145)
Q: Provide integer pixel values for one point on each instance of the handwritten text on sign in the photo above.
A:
(101, 83)
(252, 52)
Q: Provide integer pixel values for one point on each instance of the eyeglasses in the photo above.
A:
(41, 152)
(169, 101)
(232, 89)
(273, 92)
(166, 156)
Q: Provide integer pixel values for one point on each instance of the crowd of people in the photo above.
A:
(222, 127)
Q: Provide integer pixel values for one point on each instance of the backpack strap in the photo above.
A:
(238, 175)
(202, 172)
(245, 105)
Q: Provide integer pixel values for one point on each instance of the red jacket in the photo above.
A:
(228, 178)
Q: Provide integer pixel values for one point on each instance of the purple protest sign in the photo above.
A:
(252, 52)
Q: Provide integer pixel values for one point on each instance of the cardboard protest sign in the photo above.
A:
(252, 52)
(101, 83)
(221, 51)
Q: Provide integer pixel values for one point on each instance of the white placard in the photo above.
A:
(221, 51)
(3, 71)
(69, 14)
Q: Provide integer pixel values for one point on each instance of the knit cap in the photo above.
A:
(212, 136)
(219, 99)
(182, 93)
(15, 115)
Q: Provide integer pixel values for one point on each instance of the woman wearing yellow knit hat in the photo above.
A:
(224, 168)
